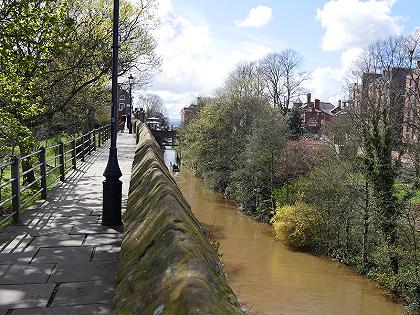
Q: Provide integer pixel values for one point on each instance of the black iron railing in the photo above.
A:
(48, 165)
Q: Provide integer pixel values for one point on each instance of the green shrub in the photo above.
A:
(297, 225)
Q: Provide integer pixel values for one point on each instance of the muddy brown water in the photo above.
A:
(268, 277)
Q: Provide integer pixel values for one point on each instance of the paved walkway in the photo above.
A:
(61, 260)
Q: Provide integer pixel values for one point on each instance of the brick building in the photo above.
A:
(123, 101)
(412, 106)
(383, 89)
(316, 113)
(188, 113)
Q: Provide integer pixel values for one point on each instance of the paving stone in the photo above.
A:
(17, 244)
(76, 220)
(65, 203)
(37, 221)
(24, 296)
(71, 212)
(96, 212)
(102, 239)
(102, 270)
(89, 292)
(53, 229)
(34, 247)
(94, 229)
(16, 258)
(58, 240)
(106, 252)
(90, 309)
(24, 274)
(57, 255)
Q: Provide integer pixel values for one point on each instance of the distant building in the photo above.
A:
(412, 107)
(154, 123)
(315, 114)
(388, 87)
(188, 113)
(123, 101)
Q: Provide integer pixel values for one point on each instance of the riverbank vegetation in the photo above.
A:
(345, 196)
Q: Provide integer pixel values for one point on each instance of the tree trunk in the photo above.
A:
(365, 229)
(26, 165)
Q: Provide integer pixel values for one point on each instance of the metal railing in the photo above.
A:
(47, 166)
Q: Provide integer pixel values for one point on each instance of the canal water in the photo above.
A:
(268, 277)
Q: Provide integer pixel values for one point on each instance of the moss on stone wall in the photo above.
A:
(167, 264)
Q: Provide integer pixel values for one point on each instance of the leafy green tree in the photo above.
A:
(82, 73)
(257, 178)
(295, 123)
(33, 33)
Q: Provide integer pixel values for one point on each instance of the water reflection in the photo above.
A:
(267, 276)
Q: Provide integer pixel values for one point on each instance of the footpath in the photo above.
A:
(60, 259)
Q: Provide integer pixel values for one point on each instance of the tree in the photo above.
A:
(378, 113)
(245, 81)
(295, 123)
(33, 33)
(153, 106)
(273, 69)
(85, 67)
(282, 77)
(268, 136)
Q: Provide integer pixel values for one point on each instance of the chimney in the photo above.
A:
(308, 99)
(339, 103)
(317, 104)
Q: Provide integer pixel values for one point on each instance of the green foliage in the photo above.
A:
(32, 34)
(235, 146)
(295, 123)
(55, 62)
(297, 225)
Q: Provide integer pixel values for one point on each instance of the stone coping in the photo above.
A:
(167, 263)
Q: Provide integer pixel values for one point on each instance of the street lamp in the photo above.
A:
(112, 186)
(129, 122)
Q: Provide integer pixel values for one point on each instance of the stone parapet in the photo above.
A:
(167, 263)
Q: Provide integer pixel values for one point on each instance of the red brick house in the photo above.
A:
(316, 114)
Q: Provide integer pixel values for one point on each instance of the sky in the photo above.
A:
(201, 41)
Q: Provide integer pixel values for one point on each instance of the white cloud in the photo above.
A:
(195, 60)
(331, 84)
(257, 17)
(164, 7)
(355, 23)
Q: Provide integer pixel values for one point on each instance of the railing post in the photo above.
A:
(74, 153)
(15, 170)
(94, 139)
(82, 156)
(43, 172)
(89, 142)
(62, 161)
(99, 137)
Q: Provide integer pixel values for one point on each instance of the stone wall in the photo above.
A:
(167, 264)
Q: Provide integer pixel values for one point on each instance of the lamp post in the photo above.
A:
(129, 122)
(112, 186)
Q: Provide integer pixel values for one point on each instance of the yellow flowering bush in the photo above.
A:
(296, 225)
